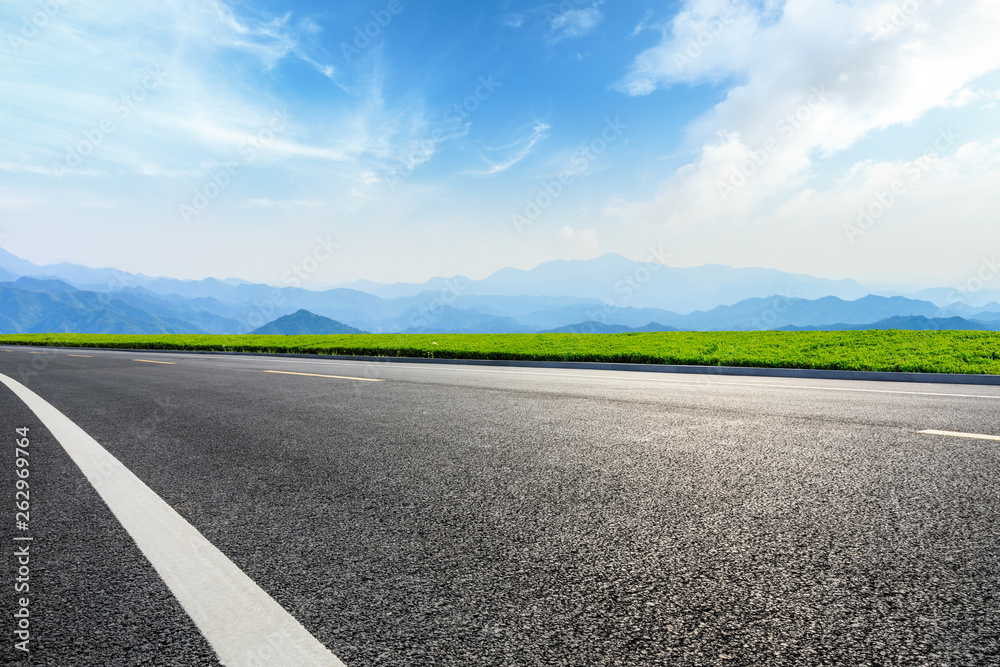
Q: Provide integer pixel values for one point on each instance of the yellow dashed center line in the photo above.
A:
(336, 377)
(955, 434)
(85, 356)
(147, 361)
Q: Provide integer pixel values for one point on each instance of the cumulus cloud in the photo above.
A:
(707, 39)
(925, 219)
(831, 74)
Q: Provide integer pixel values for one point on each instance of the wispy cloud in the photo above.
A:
(513, 20)
(574, 23)
(644, 24)
(215, 88)
(516, 151)
(25, 168)
(569, 20)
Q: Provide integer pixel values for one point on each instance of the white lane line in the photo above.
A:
(337, 377)
(243, 624)
(956, 434)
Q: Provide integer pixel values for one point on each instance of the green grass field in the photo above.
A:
(973, 352)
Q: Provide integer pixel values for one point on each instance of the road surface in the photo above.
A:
(458, 515)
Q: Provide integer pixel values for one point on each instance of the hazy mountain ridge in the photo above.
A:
(911, 323)
(133, 303)
(626, 283)
(27, 311)
(599, 327)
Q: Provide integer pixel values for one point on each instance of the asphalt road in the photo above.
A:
(491, 516)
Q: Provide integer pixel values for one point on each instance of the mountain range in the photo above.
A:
(604, 294)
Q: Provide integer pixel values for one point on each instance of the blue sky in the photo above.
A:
(842, 139)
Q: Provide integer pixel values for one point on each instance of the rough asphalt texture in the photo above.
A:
(484, 516)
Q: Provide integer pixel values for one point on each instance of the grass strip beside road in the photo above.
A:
(966, 352)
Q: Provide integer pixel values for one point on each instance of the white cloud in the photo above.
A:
(707, 39)
(874, 81)
(644, 24)
(84, 67)
(972, 94)
(515, 20)
(573, 23)
(922, 220)
(561, 22)
(515, 152)
(887, 211)
(831, 74)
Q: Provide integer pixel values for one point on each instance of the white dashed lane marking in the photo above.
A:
(956, 434)
(336, 377)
